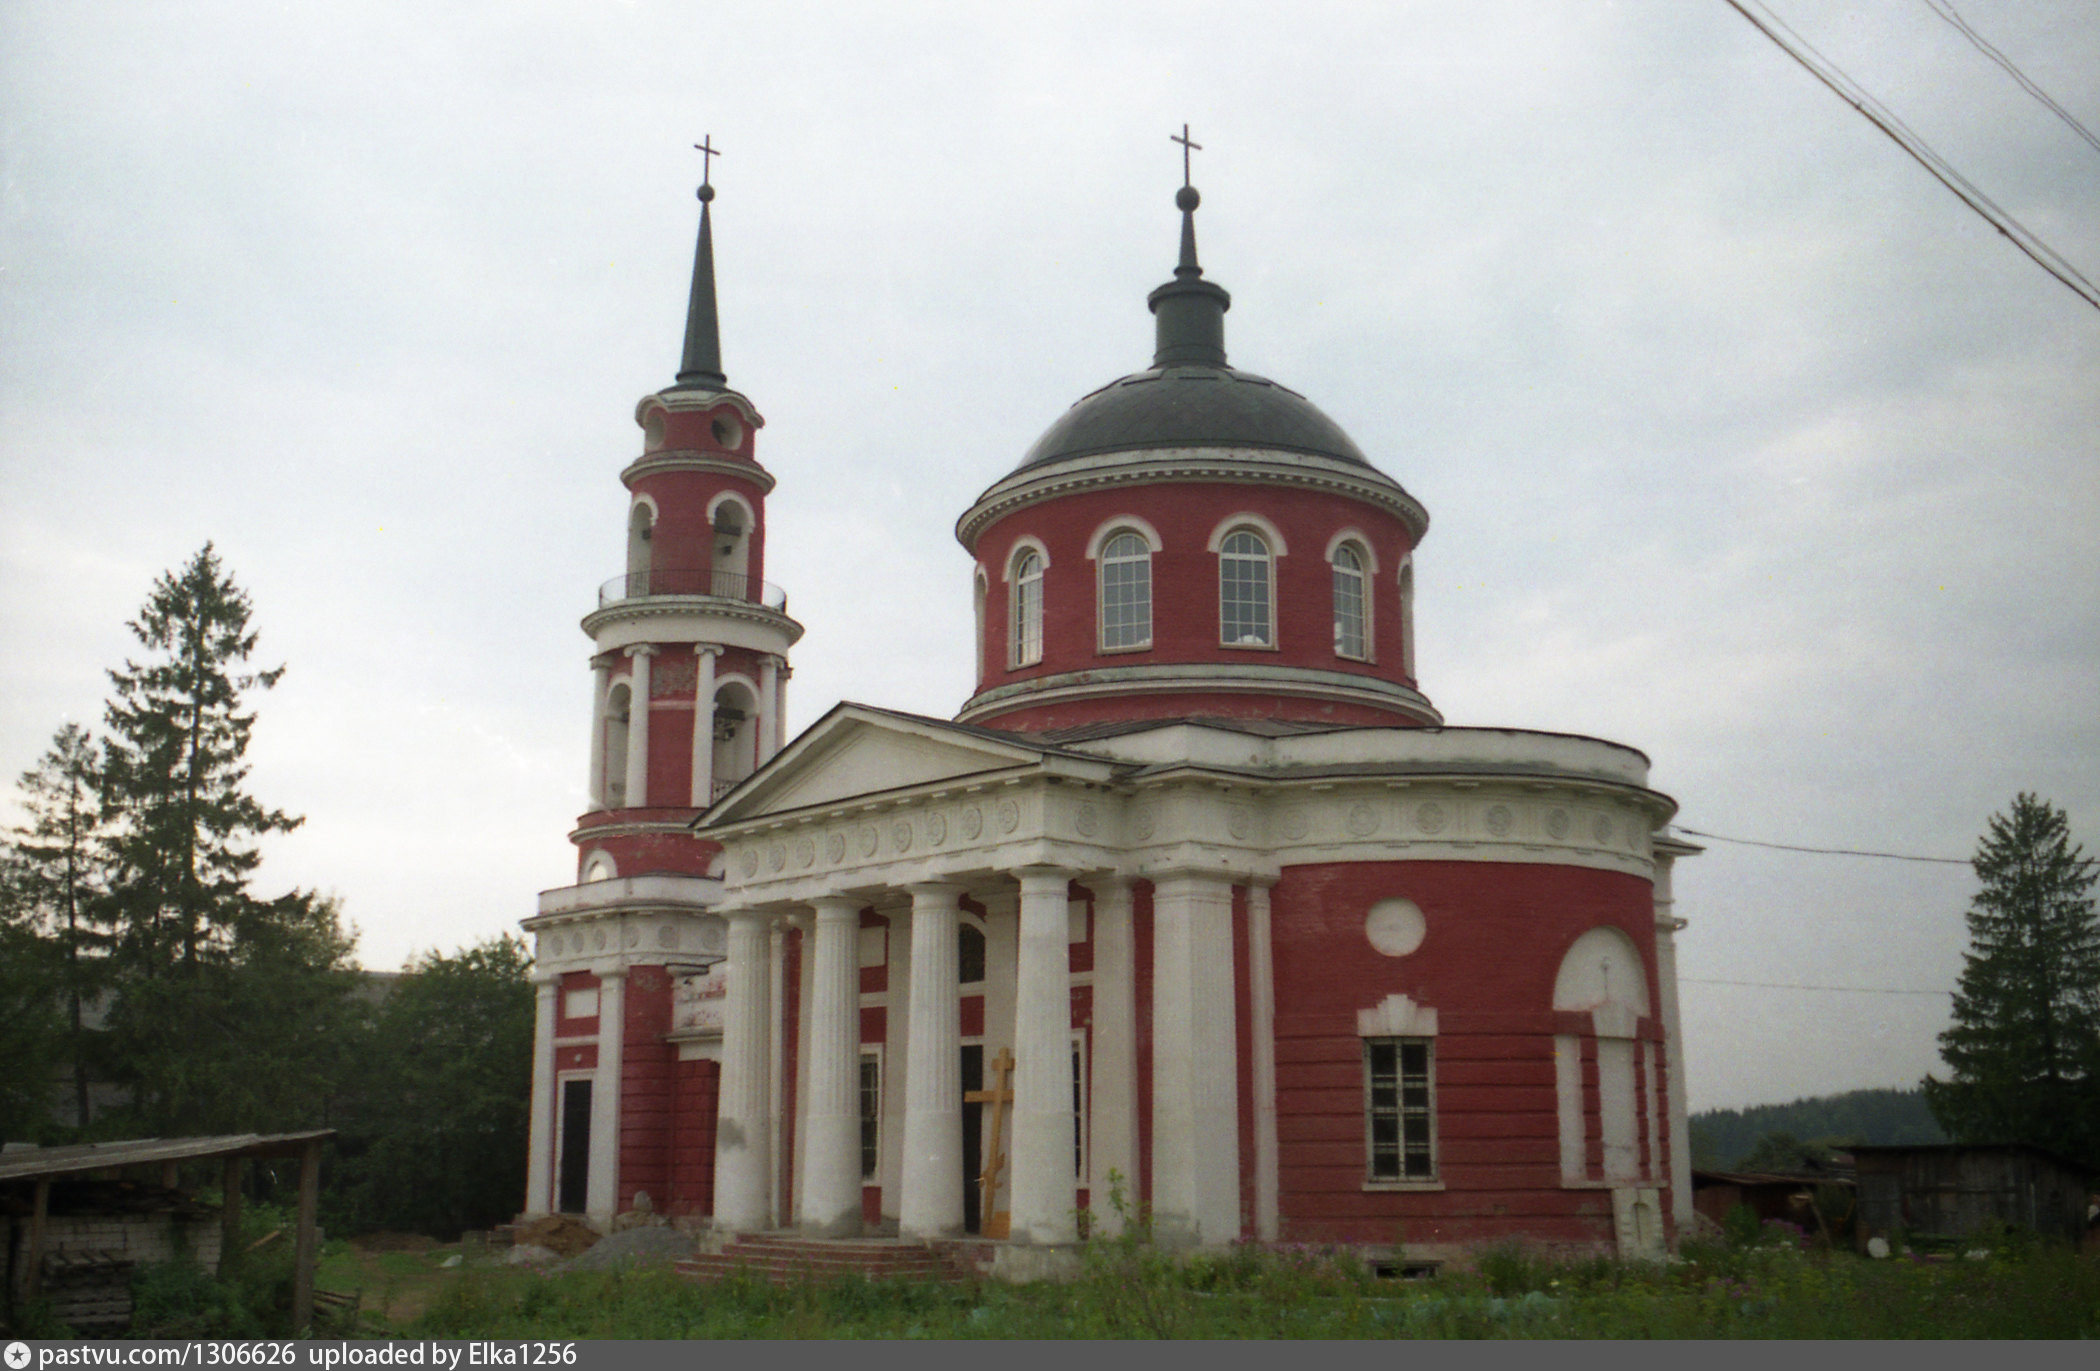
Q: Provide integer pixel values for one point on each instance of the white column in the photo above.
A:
(768, 708)
(1667, 927)
(602, 1199)
(780, 705)
(931, 1205)
(896, 1058)
(1195, 1057)
(1002, 909)
(601, 685)
(539, 1163)
(1113, 1119)
(1261, 989)
(744, 1126)
(1043, 1183)
(830, 1190)
(776, 1055)
(638, 727)
(703, 788)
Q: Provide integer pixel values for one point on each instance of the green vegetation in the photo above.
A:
(1723, 1138)
(2024, 1049)
(136, 957)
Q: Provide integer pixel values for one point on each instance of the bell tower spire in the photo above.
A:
(700, 367)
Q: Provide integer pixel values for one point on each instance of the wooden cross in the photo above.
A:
(708, 152)
(1186, 147)
(992, 1225)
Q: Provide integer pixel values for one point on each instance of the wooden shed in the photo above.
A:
(1950, 1191)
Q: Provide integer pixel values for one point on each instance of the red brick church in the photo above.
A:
(1196, 892)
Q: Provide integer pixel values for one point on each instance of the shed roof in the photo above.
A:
(39, 1163)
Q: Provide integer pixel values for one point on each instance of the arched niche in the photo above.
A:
(619, 703)
(730, 522)
(641, 532)
(735, 721)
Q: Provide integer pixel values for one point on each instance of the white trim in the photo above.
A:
(1013, 554)
(1249, 519)
(1261, 994)
(598, 857)
(737, 498)
(1264, 533)
(1353, 534)
(1119, 524)
(643, 498)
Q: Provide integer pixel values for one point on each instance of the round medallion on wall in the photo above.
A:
(552, 942)
(900, 835)
(972, 823)
(1600, 828)
(667, 937)
(634, 936)
(1557, 822)
(1294, 824)
(1143, 822)
(1432, 817)
(936, 828)
(1362, 820)
(805, 852)
(869, 840)
(1086, 821)
(748, 862)
(776, 856)
(834, 847)
(598, 938)
(1499, 820)
(1239, 821)
(1009, 816)
(1395, 927)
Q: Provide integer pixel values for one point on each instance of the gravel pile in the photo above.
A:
(632, 1248)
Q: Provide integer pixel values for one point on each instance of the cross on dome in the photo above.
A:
(708, 153)
(1186, 148)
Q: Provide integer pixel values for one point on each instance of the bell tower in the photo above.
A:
(689, 647)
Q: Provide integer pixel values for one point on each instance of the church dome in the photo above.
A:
(1192, 406)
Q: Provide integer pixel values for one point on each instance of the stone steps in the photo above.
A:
(782, 1259)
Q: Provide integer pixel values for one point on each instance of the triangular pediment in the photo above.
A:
(857, 753)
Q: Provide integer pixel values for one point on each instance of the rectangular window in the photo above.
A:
(1399, 1109)
(870, 1116)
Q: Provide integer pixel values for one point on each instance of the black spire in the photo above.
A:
(1189, 312)
(701, 366)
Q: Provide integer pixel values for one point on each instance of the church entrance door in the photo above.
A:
(972, 1138)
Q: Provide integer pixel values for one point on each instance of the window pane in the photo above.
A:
(1126, 592)
(870, 1115)
(1028, 609)
(1243, 591)
(1399, 1109)
(1348, 603)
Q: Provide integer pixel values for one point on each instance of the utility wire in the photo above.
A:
(1848, 90)
(1835, 989)
(1945, 10)
(1822, 851)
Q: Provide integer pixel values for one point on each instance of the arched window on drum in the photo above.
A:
(1025, 621)
(1126, 592)
(1246, 590)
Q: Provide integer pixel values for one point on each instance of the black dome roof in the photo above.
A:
(1193, 406)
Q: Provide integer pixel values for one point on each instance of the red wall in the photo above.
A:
(1496, 935)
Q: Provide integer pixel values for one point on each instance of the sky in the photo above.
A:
(1744, 442)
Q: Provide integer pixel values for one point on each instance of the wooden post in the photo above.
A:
(170, 1175)
(34, 1284)
(229, 1210)
(306, 1250)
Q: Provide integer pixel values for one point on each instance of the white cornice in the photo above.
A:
(679, 401)
(1233, 466)
(696, 609)
(685, 459)
(1182, 677)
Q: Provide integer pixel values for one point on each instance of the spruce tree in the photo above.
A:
(59, 892)
(2024, 1049)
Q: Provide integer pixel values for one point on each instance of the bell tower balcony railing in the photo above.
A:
(705, 582)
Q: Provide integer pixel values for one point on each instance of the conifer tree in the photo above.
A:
(2024, 1049)
(58, 888)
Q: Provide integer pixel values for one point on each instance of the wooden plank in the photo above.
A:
(39, 1219)
(308, 1244)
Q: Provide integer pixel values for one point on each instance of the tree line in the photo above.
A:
(147, 990)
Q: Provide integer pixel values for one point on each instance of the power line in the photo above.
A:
(1921, 152)
(1945, 10)
(1822, 851)
(1834, 989)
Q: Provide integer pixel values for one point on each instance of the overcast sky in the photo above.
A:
(1743, 441)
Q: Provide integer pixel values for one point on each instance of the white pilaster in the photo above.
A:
(768, 708)
(931, 1205)
(602, 1200)
(744, 1127)
(703, 787)
(601, 686)
(1195, 1076)
(830, 1191)
(1261, 989)
(539, 1155)
(1043, 1183)
(1113, 1119)
(780, 706)
(1667, 927)
(638, 727)
(1573, 1119)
